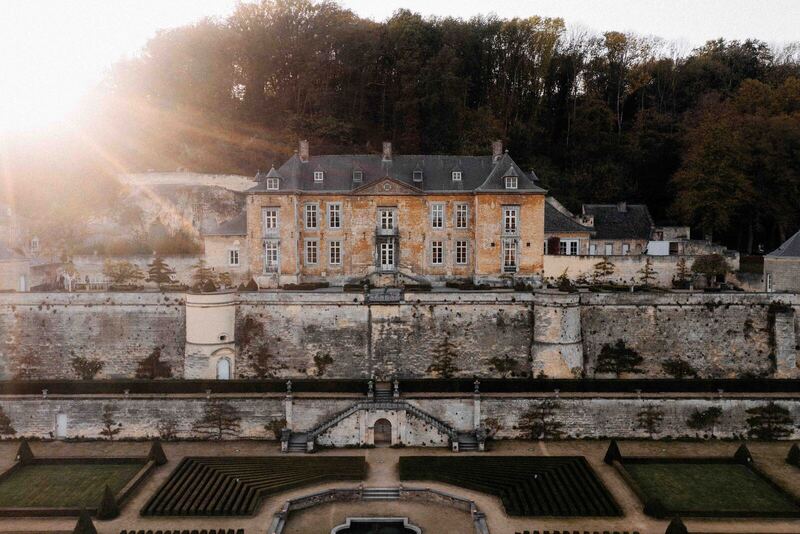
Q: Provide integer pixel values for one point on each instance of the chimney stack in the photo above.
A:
(304, 151)
(497, 150)
(387, 151)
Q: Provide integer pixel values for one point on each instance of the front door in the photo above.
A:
(61, 426)
(386, 253)
(383, 433)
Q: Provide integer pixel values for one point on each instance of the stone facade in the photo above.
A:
(781, 274)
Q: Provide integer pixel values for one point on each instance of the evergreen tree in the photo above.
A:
(678, 368)
(152, 367)
(618, 359)
(203, 275)
(769, 422)
(444, 354)
(110, 426)
(647, 273)
(219, 420)
(707, 419)
(710, 266)
(602, 271)
(159, 272)
(84, 524)
(6, 429)
(682, 272)
(109, 508)
(540, 422)
(649, 419)
(122, 272)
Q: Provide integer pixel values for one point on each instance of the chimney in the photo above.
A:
(497, 150)
(622, 207)
(387, 151)
(304, 151)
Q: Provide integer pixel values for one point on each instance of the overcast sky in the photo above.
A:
(52, 51)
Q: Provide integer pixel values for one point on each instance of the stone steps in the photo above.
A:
(380, 494)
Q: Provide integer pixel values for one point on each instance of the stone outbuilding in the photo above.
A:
(782, 267)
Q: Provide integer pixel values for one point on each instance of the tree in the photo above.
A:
(704, 420)
(122, 272)
(219, 420)
(563, 283)
(86, 368)
(711, 266)
(152, 367)
(678, 368)
(769, 422)
(6, 429)
(110, 427)
(84, 524)
(540, 422)
(602, 270)
(156, 453)
(649, 419)
(159, 272)
(108, 508)
(224, 279)
(444, 354)
(647, 274)
(203, 275)
(618, 359)
(682, 273)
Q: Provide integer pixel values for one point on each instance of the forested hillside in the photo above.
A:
(708, 137)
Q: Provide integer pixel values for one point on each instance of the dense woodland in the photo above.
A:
(708, 137)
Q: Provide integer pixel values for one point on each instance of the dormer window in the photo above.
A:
(272, 184)
(511, 182)
(318, 176)
(417, 176)
(456, 176)
(358, 176)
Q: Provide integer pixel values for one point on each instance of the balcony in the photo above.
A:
(386, 232)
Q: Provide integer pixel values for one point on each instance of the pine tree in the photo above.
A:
(770, 421)
(682, 273)
(203, 275)
(444, 355)
(704, 419)
(540, 422)
(602, 270)
(220, 419)
(152, 367)
(647, 274)
(618, 359)
(159, 272)
(122, 272)
(649, 419)
(6, 429)
(110, 427)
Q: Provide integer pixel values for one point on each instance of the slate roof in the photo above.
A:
(612, 223)
(232, 227)
(790, 249)
(557, 222)
(478, 173)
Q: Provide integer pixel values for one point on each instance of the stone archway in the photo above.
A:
(383, 433)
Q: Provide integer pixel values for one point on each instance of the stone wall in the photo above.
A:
(600, 416)
(42, 333)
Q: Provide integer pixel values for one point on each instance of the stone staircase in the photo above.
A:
(297, 442)
(467, 442)
(380, 494)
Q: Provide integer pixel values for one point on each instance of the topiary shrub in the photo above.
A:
(676, 526)
(24, 452)
(742, 455)
(793, 457)
(108, 509)
(84, 524)
(156, 453)
(612, 453)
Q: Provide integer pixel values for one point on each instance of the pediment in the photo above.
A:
(387, 186)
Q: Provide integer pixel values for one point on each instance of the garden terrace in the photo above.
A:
(567, 531)
(705, 487)
(236, 486)
(185, 531)
(527, 485)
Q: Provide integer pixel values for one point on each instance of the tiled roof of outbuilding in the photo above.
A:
(611, 222)
(557, 222)
(789, 249)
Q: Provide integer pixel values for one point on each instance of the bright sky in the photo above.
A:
(53, 51)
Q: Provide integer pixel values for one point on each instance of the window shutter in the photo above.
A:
(554, 246)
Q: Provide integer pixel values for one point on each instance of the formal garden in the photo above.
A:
(232, 486)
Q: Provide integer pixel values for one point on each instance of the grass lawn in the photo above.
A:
(711, 487)
(63, 485)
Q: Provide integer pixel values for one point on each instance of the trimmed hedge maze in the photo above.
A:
(236, 486)
(528, 485)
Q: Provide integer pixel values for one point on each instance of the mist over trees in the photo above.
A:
(710, 137)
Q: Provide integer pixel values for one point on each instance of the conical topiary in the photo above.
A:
(742, 455)
(655, 508)
(209, 287)
(24, 452)
(108, 509)
(676, 526)
(252, 285)
(84, 524)
(612, 453)
(794, 456)
(156, 453)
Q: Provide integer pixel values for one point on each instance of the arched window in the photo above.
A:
(223, 369)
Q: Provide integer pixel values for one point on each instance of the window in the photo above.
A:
(223, 369)
(272, 184)
(568, 247)
(510, 217)
(334, 216)
(311, 251)
(417, 176)
(593, 249)
(387, 255)
(626, 248)
(318, 176)
(233, 257)
(437, 252)
(437, 215)
(462, 216)
(456, 176)
(311, 216)
(545, 248)
(358, 176)
(509, 255)
(609, 249)
(769, 283)
(386, 219)
(335, 252)
(271, 256)
(461, 252)
(511, 182)
(35, 244)
(270, 217)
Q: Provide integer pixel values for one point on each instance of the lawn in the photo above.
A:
(706, 489)
(63, 485)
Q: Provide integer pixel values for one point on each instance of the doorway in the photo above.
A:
(223, 369)
(383, 433)
(61, 426)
